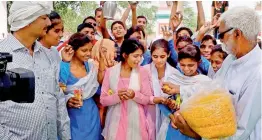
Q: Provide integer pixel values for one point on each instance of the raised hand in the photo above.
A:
(216, 18)
(177, 19)
(167, 34)
(133, 6)
(102, 3)
(67, 53)
(105, 56)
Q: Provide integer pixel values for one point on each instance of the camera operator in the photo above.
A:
(47, 116)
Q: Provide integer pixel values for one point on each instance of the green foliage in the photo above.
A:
(190, 17)
(74, 12)
(144, 8)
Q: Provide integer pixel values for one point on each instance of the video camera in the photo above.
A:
(16, 84)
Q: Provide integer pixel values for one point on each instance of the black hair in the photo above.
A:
(142, 17)
(218, 48)
(129, 46)
(162, 43)
(98, 9)
(78, 40)
(84, 25)
(184, 38)
(117, 22)
(89, 17)
(184, 28)
(190, 51)
(209, 37)
(52, 16)
(134, 29)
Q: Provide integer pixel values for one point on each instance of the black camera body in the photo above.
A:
(16, 84)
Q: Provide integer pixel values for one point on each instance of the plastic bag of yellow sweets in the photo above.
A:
(210, 113)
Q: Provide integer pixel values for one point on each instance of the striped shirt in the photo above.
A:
(47, 117)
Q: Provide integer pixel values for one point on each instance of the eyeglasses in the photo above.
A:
(94, 24)
(221, 35)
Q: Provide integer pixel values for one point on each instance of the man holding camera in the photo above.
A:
(47, 116)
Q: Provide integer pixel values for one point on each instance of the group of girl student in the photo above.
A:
(189, 58)
(143, 90)
(79, 73)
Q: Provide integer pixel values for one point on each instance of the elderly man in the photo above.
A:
(240, 72)
(46, 117)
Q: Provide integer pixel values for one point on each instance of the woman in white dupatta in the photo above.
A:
(159, 69)
(126, 90)
(81, 74)
(162, 72)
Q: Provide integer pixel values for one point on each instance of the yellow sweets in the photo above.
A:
(166, 87)
(212, 115)
(110, 92)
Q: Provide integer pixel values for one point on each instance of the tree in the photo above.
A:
(190, 17)
(144, 8)
(73, 12)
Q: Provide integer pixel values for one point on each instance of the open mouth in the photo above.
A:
(206, 55)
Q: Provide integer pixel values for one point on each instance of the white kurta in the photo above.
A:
(242, 77)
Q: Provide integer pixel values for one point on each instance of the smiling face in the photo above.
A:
(84, 53)
(206, 48)
(118, 31)
(159, 57)
(54, 35)
(133, 59)
(141, 22)
(188, 66)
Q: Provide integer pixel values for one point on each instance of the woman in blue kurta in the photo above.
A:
(189, 58)
(81, 73)
(171, 132)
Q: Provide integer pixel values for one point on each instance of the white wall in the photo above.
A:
(3, 20)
